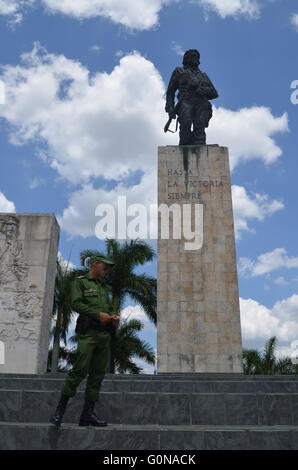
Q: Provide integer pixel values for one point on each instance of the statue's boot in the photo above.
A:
(88, 417)
(56, 418)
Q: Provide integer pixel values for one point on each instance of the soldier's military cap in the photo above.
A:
(102, 258)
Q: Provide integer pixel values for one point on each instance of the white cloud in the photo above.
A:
(137, 313)
(54, 100)
(72, 326)
(78, 219)
(95, 48)
(259, 323)
(5, 204)
(132, 14)
(256, 320)
(246, 208)
(36, 182)
(177, 48)
(267, 263)
(280, 281)
(294, 20)
(235, 8)
(140, 14)
(7, 7)
(65, 263)
(100, 125)
(71, 330)
(14, 9)
(146, 368)
(109, 125)
(248, 133)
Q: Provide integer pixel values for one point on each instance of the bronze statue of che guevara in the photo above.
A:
(193, 109)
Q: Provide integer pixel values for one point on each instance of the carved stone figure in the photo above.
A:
(193, 109)
(28, 254)
(14, 298)
(12, 268)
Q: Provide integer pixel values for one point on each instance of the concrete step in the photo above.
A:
(154, 412)
(157, 408)
(183, 383)
(166, 375)
(163, 399)
(40, 436)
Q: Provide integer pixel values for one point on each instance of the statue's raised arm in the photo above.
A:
(193, 109)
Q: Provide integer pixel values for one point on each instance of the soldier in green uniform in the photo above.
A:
(90, 299)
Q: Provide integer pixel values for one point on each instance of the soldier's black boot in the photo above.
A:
(88, 417)
(56, 418)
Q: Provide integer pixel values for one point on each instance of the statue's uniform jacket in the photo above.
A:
(90, 296)
(181, 80)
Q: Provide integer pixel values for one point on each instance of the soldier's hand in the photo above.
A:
(104, 318)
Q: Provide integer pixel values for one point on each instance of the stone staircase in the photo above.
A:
(154, 412)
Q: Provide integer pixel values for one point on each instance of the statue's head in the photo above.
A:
(191, 58)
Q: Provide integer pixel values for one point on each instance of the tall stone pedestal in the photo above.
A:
(198, 303)
(28, 253)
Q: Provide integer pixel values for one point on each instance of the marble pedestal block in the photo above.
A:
(28, 253)
(198, 304)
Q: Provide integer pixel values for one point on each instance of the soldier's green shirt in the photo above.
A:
(90, 296)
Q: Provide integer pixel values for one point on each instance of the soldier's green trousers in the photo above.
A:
(92, 359)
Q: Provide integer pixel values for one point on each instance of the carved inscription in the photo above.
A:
(191, 182)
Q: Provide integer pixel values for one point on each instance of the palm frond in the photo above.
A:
(266, 362)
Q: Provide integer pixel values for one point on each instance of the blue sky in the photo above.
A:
(84, 114)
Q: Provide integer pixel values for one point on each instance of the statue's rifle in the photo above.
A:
(166, 128)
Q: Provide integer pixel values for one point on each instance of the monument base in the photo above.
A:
(198, 320)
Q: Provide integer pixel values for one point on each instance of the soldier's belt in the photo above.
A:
(85, 323)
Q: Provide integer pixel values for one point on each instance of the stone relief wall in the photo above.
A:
(18, 304)
(22, 299)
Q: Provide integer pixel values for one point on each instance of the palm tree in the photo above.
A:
(252, 362)
(67, 355)
(129, 345)
(266, 362)
(125, 282)
(61, 307)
